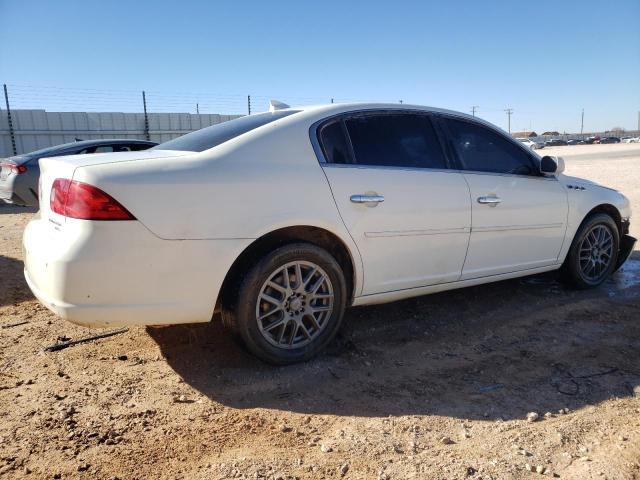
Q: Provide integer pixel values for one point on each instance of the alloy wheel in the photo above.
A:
(596, 252)
(294, 305)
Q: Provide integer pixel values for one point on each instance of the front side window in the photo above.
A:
(395, 140)
(481, 150)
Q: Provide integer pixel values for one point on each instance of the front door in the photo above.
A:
(519, 216)
(409, 215)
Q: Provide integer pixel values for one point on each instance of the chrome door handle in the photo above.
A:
(367, 198)
(493, 201)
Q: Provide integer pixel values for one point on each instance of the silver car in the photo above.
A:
(19, 175)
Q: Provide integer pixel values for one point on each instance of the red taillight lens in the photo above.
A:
(17, 169)
(80, 200)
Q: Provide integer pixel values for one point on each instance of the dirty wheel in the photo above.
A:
(593, 253)
(290, 304)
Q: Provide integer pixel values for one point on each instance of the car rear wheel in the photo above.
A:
(593, 253)
(289, 305)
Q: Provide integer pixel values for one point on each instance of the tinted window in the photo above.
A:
(481, 150)
(139, 146)
(396, 140)
(334, 143)
(104, 149)
(210, 137)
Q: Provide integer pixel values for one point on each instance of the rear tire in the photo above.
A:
(593, 253)
(289, 305)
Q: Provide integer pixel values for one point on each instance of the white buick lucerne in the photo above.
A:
(280, 220)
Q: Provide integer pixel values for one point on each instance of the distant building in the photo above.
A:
(551, 134)
(524, 134)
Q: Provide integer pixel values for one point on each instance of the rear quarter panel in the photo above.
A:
(247, 187)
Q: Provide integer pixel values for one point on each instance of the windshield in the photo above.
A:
(212, 136)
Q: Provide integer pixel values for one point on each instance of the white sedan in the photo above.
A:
(280, 220)
(530, 143)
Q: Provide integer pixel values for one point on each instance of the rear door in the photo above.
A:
(519, 215)
(409, 215)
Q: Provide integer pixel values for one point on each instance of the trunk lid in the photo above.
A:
(64, 167)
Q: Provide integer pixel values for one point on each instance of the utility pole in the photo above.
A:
(146, 117)
(582, 123)
(332, 100)
(197, 108)
(11, 132)
(249, 104)
(473, 109)
(509, 113)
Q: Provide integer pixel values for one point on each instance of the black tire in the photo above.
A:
(241, 314)
(572, 268)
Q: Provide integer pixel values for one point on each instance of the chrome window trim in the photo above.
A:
(439, 170)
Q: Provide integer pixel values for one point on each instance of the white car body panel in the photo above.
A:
(524, 231)
(418, 236)
(197, 212)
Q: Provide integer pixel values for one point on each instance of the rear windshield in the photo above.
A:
(210, 137)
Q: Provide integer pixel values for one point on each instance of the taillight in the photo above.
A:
(17, 169)
(80, 200)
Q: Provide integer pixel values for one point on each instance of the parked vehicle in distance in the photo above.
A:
(630, 140)
(19, 175)
(575, 141)
(610, 140)
(592, 140)
(280, 220)
(557, 142)
(530, 143)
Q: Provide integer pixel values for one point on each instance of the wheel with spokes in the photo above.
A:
(290, 304)
(593, 253)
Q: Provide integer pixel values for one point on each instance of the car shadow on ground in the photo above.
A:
(13, 288)
(492, 351)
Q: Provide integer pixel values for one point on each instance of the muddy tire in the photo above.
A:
(289, 305)
(593, 253)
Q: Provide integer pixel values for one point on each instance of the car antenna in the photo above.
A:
(277, 105)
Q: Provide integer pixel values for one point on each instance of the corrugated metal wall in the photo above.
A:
(35, 129)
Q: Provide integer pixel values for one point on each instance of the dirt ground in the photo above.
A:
(437, 387)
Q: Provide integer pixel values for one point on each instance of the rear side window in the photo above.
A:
(395, 140)
(104, 149)
(334, 143)
(210, 137)
(481, 150)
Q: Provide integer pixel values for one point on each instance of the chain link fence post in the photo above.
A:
(9, 119)
(146, 117)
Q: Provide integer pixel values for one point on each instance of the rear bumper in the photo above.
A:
(118, 273)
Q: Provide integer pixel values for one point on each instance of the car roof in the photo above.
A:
(323, 111)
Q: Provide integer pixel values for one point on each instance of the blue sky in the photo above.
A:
(546, 59)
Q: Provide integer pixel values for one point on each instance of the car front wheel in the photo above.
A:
(593, 253)
(289, 305)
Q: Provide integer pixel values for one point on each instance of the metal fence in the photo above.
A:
(33, 117)
(35, 129)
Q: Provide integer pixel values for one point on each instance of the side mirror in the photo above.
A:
(551, 165)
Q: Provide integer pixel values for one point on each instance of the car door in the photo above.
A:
(408, 214)
(519, 215)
